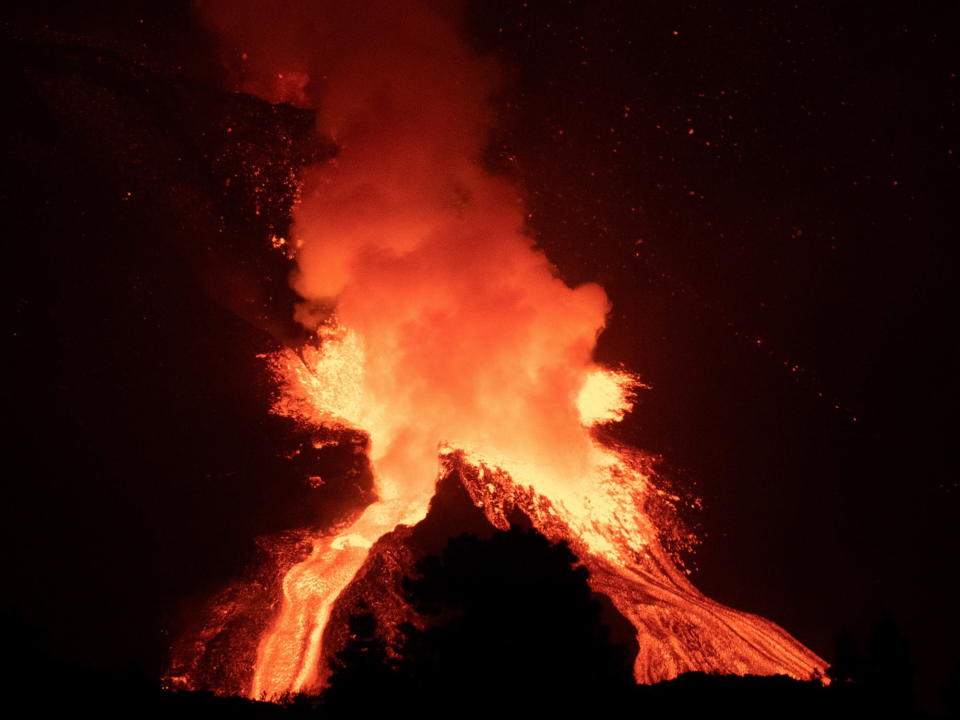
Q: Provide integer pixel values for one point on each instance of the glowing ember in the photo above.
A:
(447, 337)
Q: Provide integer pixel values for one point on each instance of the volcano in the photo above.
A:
(676, 628)
(442, 334)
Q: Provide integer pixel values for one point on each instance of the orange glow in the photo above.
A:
(446, 335)
(606, 396)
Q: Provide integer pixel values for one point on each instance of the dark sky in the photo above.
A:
(765, 192)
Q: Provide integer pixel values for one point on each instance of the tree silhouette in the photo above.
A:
(875, 679)
(508, 620)
(888, 674)
(363, 677)
(847, 663)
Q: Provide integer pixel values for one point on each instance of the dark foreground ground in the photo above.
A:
(689, 696)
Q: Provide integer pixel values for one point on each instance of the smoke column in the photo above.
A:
(468, 336)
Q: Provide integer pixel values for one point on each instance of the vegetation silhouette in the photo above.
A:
(875, 677)
(504, 621)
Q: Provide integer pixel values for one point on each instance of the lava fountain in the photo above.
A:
(447, 338)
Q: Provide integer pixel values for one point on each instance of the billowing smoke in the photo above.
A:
(467, 334)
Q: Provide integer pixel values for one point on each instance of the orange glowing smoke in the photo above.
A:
(442, 330)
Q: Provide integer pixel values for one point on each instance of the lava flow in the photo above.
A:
(447, 338)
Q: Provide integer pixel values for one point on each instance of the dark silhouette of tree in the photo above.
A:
(875, 677)
(512, 619)
(504, 621)
(364, 677)
(847, 663)
(888, 672)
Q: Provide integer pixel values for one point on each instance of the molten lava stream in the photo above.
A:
(290, 653)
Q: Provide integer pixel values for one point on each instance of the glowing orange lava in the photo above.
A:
(445, 335)
(600, 513)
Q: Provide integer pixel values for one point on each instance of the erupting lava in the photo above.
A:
(447, 338)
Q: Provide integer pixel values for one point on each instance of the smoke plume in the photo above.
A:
(467, 335)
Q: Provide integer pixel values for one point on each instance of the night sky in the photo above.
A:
(767, 194)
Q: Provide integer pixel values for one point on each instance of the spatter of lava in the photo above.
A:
(603, 517)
